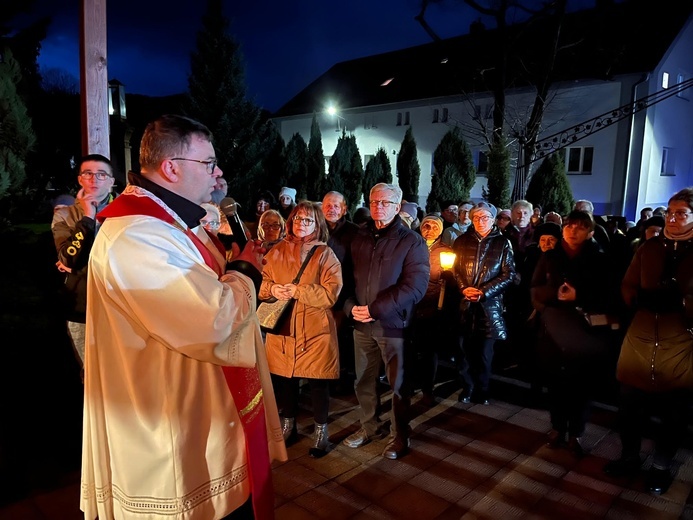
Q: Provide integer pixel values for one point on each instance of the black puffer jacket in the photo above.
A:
(485, 263)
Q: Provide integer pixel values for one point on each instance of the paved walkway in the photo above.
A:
(467, 461)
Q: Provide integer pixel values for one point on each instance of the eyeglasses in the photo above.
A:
(679, 214)
(384, 203)
(304, 221)
(213, 224)
(211, 164)
(451, 209)
(484, 218)
(100, 175)
(274, 227)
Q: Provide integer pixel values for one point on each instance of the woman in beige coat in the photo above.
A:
(306, 347)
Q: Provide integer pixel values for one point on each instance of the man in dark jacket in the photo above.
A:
(391, 271)
(74, 228)
(342, 233)
(484, 269)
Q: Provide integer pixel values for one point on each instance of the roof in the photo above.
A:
(601, 43)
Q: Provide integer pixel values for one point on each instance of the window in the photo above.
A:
(681, 93)
(367, 159)
(445, 115)
(406, 118)
(481, 163)
(435, 115)
(665, 80)
(399, 118)
(579, 160)
(369, 122)
(668, 162)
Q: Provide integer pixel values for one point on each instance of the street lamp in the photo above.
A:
(334, 111)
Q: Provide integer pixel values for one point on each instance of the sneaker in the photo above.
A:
(465, 396)
(358, 439)
(623, 467)
(480, 397)
(658, 480)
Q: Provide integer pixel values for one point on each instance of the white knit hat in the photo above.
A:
(290, 192)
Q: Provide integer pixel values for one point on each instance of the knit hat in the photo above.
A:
(504, 212)
(657, 220)
(63, 200)
(483, 206)
(409, 208)
(435, 218)
(548, 228)
(291, 192)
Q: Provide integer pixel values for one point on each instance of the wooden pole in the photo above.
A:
(94, 78)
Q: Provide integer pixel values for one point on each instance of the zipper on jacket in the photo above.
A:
(654, 350)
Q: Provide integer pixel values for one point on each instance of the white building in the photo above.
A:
(622, 161)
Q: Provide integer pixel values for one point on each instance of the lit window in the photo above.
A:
(665, 80)
(668, 162)
(387, 82)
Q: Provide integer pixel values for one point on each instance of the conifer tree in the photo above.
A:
(217, 98)
(454, 172)
(497, 190)
(408, 169)
(17, 137)
(316, 162)
(378, 170)
(346, 170)
(549, 186)
(296, 155)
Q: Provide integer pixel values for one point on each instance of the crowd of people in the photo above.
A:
(187, 400)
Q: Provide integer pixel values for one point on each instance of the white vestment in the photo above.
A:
(162, 436)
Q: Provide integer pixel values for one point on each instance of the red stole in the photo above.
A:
(244, 383)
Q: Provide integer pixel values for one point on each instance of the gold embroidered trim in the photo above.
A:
(252, 404)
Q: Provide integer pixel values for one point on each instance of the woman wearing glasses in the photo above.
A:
(655, 367)
(271, 228)
(306, 347)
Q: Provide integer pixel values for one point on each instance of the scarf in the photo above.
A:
(686, 235)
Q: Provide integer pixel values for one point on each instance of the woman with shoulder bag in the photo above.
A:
(305, 347)
(655, 367)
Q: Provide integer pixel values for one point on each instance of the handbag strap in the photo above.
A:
(303, 265)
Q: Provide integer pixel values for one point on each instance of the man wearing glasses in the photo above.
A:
(179, 413)
(483, 270)
(391, 271)
(74, 228)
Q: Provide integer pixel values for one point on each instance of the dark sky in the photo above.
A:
(286, 44)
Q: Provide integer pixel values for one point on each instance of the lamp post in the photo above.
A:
(447, 260)
(120, 131)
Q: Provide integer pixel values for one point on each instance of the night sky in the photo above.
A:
(286, 44)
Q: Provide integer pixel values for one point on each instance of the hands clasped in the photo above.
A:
(361, 313)
(283, 291)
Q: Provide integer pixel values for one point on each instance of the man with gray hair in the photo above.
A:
(391, 271)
